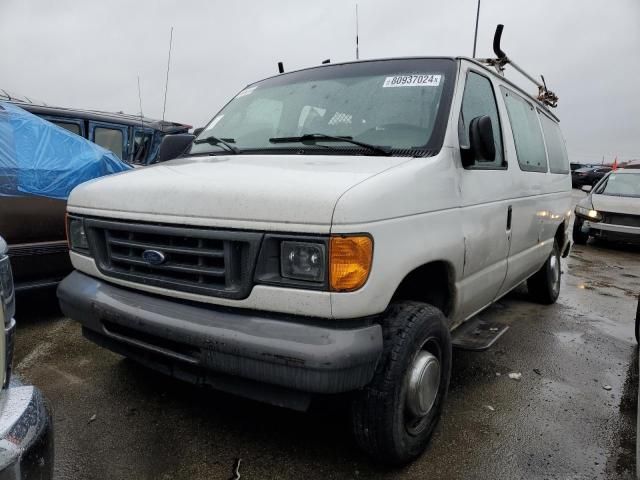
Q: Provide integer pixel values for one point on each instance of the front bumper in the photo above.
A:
(188, 340)
(612, 231)
(26, 435)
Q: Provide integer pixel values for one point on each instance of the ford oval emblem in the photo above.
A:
(153, 257)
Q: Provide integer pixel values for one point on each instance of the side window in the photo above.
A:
(109, 138)
(478, 100)
(556, 149)
(72, 127)
(526, 132)
(141, 146)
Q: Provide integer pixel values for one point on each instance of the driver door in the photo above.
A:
(486, 192)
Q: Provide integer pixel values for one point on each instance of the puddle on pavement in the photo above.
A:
(569, 337)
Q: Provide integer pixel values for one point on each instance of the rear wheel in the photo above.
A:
(544, 285)
(394, 417)
(579, 237)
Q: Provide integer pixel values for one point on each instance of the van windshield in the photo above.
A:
(401, 105)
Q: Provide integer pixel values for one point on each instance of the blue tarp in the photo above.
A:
(40, 158)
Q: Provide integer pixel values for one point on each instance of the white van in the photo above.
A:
(327, 232)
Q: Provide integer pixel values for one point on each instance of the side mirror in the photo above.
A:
(481, 145)
(198, 131)
(586, 188)
(481, 139)
(172, 146)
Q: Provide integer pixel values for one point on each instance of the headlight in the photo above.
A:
(339, 263)
(7, 294)
(303, 261)
(588, 213)
(76, 235)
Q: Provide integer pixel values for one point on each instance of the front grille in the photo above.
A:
(621, 219)
(195, 260)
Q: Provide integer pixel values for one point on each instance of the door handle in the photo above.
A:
(509, 215)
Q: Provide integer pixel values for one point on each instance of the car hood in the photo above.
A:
(293, 189)
(615, 204)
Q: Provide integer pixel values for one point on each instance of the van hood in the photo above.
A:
(616, 204)
(292, 189)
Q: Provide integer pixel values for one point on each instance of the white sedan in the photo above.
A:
(611, 211)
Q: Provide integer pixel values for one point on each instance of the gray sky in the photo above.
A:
(89, 53)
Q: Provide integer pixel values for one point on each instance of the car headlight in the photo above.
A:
(7, 294)
(339, 263)
(303, 261)
(76, 235)
(588, 213)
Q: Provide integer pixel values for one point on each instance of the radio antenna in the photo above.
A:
(475, 35)
(140, 101)
(166, 83)
(357, 39)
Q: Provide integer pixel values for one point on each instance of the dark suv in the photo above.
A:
(132, 138)
(33, 226)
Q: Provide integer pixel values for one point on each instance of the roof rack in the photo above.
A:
(546, 96)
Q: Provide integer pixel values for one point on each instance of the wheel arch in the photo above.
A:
(432, 283)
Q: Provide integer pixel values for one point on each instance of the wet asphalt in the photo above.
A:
(116, 420)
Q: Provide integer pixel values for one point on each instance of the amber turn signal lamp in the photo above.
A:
(349, 262)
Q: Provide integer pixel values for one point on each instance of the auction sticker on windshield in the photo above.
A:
(418, 80)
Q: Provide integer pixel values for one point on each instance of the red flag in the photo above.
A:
(614, 167)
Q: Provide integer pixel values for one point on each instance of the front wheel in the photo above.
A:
(544, 285)
(579, 237)
(394, 416)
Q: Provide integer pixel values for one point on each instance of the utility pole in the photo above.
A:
(475, 35)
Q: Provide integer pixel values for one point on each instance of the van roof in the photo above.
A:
(490, 71)
(41, 108)
(512, 84)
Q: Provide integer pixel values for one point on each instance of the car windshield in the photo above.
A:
(401, 105)
(621, 185)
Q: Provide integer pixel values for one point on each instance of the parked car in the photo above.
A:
(26, 435)
(611, 211)
(328, 232)
(576, 166)
(39, 165)
(134, 139)
(588, 176)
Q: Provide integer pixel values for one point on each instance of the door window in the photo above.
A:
(527, 135)
(110, 138)
(556, 149)
(141, 146)
(479, 100)
(72, 127)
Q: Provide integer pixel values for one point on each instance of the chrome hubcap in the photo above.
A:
(423, 383)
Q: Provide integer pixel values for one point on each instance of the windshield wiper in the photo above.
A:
(315, 137)
(225, 142)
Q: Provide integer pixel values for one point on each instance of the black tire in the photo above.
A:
(382, 423)
(544, 285)
(579, 237)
